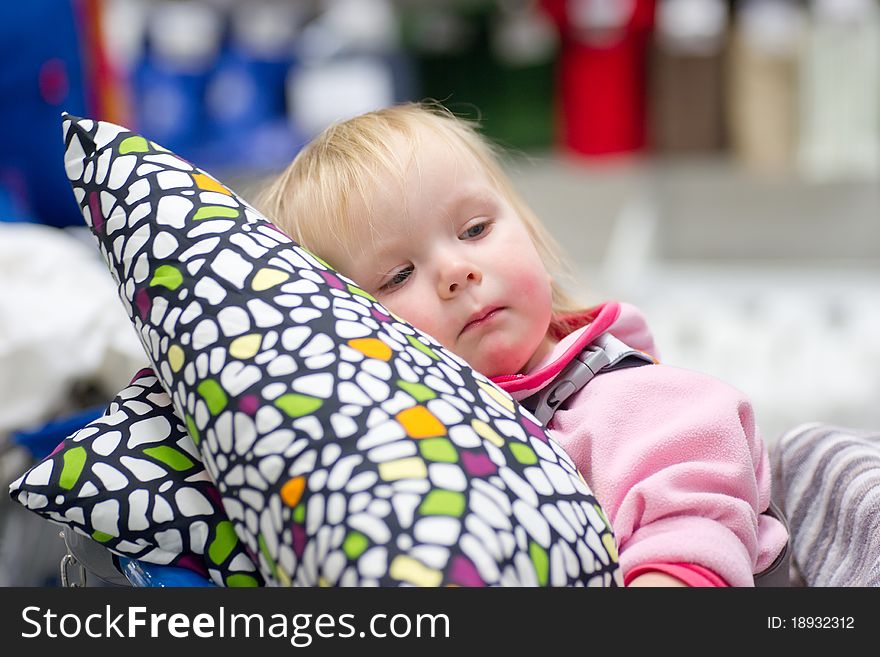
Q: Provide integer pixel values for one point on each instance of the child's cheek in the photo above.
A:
(532, 285)
(416, 314)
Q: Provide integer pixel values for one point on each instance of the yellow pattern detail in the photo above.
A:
(175, 357)
(407, 569)
(497, 395)
(408, 468)
(485, 431)
(245, 347)
(268, 277)
(282, 576)
(610, 546)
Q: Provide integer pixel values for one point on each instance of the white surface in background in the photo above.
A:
(771, 284)
(335, 90)
(804, 345)
(803, 342)
(61, 322)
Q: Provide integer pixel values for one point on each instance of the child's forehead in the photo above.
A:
(437, 161)
(424, 173)
(435, 176)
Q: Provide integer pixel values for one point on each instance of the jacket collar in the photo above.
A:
(583, 329)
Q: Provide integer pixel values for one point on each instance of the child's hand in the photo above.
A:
(656, 579)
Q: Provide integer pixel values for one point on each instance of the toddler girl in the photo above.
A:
(412, 204)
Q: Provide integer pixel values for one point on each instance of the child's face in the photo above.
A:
(450, 255)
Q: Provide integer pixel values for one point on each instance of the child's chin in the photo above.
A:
(498, 364)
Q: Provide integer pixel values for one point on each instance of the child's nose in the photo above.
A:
(458, 277)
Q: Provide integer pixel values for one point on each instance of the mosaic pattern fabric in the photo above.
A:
(134, 481)
(348, 447)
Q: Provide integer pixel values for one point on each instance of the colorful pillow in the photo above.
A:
(348, 447)
(134, 481)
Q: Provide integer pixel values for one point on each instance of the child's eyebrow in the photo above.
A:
(385, 248)
(468, 197)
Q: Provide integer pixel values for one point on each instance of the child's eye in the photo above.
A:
(397, 279)
(475, 231)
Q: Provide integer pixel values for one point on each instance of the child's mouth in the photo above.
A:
(481, 318)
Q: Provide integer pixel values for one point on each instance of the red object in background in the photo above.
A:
(53, 81)
(107, 91)
(602, 73)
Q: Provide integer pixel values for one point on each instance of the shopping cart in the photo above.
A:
(86, 560)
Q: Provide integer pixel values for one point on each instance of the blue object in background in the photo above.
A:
(246, 90)
(40, 441)
(246, 112)
(12, 204)
(170, 105)
(41, 75)
(143, 574)
(246, 104)
(182, 40)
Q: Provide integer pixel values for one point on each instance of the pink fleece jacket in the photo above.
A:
(673, 456)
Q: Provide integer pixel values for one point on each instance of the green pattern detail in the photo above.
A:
(296, 405)
(264, 550)
(224, 541)
(318, 258)
(354, 289)
(604, 519)
(419, 391)
(171, 457)
(354, 544)
(299, 514)
(74, 461)
(440, 502)
(101, 537)
(523, 453)
(241, 581)
(542, 562)
(167, 276)
(213, 395)
(423, 348)
(136, 144)
(438, 449)
(192, 429)
(213, 211)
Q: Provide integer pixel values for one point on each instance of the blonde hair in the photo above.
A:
(311, 199)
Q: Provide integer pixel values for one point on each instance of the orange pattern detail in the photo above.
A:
(371, 348)
(292, 491)
(419, 422)
(208, 183)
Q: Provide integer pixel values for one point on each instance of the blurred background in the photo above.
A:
(715, 162)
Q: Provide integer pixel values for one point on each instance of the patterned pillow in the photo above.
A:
(134, 481)
(348, 447)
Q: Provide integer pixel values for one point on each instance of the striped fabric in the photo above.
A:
(827, 480)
